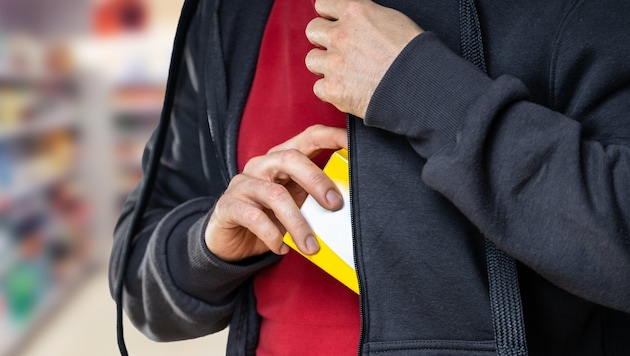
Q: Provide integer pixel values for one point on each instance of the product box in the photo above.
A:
(333, 229)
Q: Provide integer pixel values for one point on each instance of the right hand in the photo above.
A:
(262, 202)
(356, 43)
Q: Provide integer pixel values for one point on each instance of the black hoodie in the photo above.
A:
(533, 156)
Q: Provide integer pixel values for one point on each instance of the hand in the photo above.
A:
(262, 202)
(358, 40)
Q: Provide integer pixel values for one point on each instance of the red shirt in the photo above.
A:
(304, 311)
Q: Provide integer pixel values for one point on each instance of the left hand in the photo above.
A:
(357, 42)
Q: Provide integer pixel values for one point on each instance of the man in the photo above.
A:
(532, 157)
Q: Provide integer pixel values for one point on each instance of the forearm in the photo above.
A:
(531, 183)
(175, 288)
(523, 174)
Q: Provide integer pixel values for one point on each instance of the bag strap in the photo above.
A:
(505, 296)
(187, 13)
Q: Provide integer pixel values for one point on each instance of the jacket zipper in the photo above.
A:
(215, 97)
(353, 212)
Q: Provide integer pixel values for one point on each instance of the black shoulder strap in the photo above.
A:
(505, 296)
(188, 11)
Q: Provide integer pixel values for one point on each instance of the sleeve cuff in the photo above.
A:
(196, 270)
(425, 94)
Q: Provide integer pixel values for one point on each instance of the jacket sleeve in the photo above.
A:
(175, 288)
(548, 186)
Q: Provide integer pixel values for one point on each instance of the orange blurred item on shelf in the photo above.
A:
(117, 16)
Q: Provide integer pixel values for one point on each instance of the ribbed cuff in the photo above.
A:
(196, 270)
(425, 94)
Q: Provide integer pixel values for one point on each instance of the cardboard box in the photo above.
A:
(333, 229)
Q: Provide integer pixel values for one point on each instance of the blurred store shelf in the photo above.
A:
(86, 326)
(45, 213)
(81, 88)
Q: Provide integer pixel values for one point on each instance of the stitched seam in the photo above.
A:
(431, 349)
(452, 342)
(453, 345)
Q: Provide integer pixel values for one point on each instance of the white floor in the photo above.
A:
(86, 325)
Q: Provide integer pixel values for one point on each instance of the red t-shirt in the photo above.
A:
(304, 311)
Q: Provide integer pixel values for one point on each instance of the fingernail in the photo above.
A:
(311, 244)
(333, 198)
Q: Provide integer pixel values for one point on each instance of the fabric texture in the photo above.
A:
(533, 156)
(505, 294)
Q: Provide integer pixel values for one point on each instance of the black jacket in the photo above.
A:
(534, 156)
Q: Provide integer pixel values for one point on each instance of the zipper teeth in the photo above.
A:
(350, 124)
(211, 104)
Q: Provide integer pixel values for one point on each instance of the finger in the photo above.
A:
(277, 199)
(315, 61)
(328, 9)
(320, 91)
(293, 165)
(298, 193)
(314, 139)
(317, 32)
(234, 212)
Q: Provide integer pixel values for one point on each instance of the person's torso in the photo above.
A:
(421, 262)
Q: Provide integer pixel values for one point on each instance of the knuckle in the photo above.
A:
(232, 190)
(253, 162)
(276, 192)
(337, 35)
(318, 89)
(221, 206)
(236, 180)
(323, 7)
(290, 157)
(312, 130)
(254, 216)
(270, 237)
(302, 224)
(318, 7)
(318, 179)
(313, 27)
(357, 9)
(311, 59)
(333, 33)
(308, 60)
(291, 215)
(354, 8)
(227, 209)
(308, 31)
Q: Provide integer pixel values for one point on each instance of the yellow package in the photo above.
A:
(332, 229)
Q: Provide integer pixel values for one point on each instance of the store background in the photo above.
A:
(81, 87)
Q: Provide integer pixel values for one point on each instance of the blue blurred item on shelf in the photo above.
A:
(5, 169)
